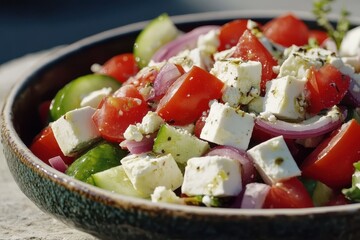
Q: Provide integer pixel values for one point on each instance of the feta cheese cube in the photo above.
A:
(242, 80)
(212, 175)
(350, 45)
(299, 60)
(274, 161)
(75, 130)
(285, 98)
(228, 126)
(195, 57)
(146, 172)
(346, 68)
(94, 98)
(209, 42)
(161, 194)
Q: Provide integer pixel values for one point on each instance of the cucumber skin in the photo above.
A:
(102, 157)
(157, 33)
(70, 96)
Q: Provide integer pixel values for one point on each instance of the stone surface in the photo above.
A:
(19, 217)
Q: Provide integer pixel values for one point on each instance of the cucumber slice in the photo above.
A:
(179, 143)
(70, 96)
(319, 192)
(322, 194)
(116, 180)
(103, 156)
(157, 33)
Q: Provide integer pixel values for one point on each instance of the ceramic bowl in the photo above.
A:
(112, 216)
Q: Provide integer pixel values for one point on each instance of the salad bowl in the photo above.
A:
(113, 216)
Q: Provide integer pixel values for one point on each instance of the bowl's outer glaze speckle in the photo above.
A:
(111, 216)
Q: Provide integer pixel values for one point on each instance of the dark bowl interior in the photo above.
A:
(117, 217)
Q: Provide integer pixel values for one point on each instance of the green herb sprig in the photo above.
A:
(321, 10)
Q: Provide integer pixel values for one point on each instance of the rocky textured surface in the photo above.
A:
(19, 217)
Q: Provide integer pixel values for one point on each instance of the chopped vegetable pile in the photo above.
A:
(242, 115)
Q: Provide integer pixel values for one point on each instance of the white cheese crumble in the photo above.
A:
(150, 123)
(162, 194)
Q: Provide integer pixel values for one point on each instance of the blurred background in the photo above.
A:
(28, 26)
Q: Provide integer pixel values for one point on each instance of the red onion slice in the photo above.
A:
(134, 147)
(58, 163)
(248, 169)
(185, 41)
(312, 127)
(352, 97)
(255, 195)
(166, 76)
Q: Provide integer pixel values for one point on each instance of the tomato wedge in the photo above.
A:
(249, 48)
(189, 96)
(115, 114)
(290, 193)
(230, 33)
(45, 146)
(287, 30)
(332, 160)
(120, 67)
(326, 87)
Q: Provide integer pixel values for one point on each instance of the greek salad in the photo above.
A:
(242, 115)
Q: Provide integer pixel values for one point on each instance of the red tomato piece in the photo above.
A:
(249, 48)
(127, 91)
(326, 88)
(200, 123)
(116, 114)
(287, 30)
(231, 32)
(319, 35)
(189, 96)
(45, 146)
(143, 80)
(120, 67)
(290, 193)
(332, 160)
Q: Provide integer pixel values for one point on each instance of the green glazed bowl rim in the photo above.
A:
(16, 144)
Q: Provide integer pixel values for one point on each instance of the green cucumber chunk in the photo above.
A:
(115, 179)
(179, 143)
(322, 194)
(102, 157)
(70, 96)
(157, 33)
(319, 192)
